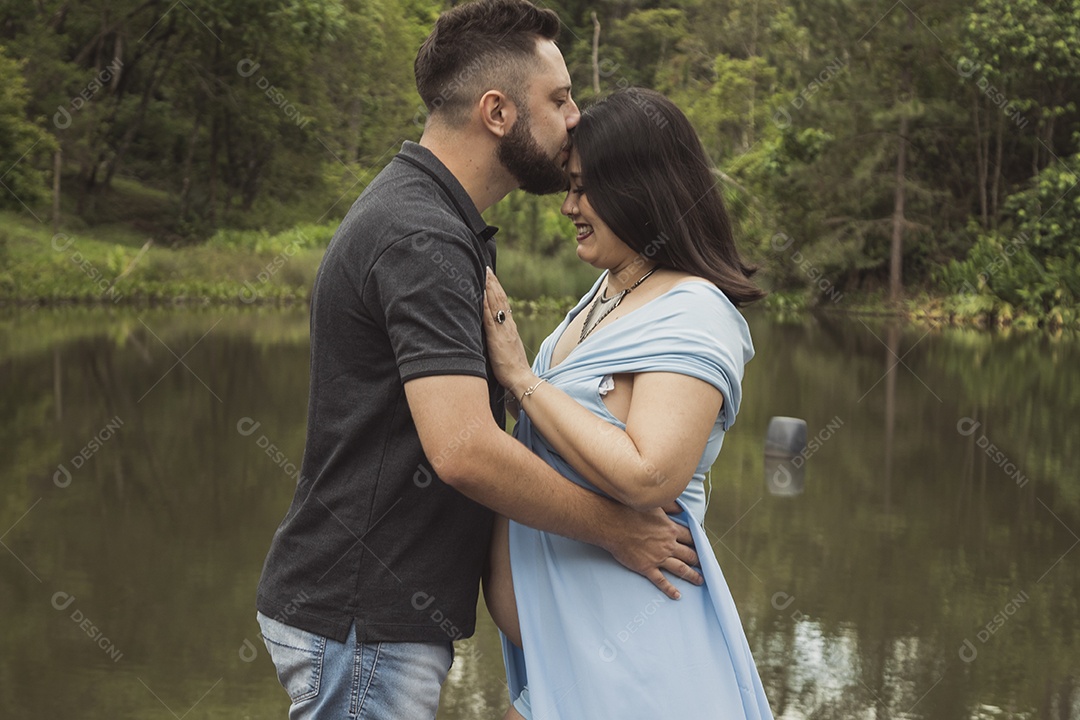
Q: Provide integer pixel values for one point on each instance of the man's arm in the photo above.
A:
(490, 467)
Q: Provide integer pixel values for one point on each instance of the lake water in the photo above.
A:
(925, 566)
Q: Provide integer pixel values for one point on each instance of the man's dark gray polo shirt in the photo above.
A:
(372, 535)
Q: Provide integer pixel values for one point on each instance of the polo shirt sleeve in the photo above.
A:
(426, 292)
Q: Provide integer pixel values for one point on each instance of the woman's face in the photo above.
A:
(596, 243)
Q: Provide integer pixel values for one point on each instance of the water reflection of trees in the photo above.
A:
(903, 546)
(905, 559)
(160, 533)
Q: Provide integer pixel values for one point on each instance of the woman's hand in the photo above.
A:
(505, 349)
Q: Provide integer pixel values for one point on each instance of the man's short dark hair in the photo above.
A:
(480, 46)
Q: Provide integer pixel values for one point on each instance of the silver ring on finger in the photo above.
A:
(500, 317)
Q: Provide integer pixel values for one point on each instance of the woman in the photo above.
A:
(630, 396)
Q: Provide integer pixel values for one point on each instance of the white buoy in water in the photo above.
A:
(785, 440)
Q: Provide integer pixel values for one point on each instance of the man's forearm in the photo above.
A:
(511, 480)
(505, 476)
(487, 465)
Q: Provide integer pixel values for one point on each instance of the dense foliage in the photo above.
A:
(935, 140)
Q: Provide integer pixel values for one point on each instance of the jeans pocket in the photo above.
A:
(297, 655)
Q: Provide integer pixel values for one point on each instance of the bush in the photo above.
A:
(1032, 264)
(301, 237)
(531, 277)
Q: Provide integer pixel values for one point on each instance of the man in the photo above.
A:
(374, 571)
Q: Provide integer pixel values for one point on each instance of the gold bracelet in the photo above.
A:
(530, 391)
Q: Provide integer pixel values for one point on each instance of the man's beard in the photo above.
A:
(519, 153)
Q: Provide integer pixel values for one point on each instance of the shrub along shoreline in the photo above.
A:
(115, 265)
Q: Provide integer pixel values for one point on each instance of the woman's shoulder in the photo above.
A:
(694, 288)
(699, 304)
(699, 320)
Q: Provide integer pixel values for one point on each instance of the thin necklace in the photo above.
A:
(602, 307)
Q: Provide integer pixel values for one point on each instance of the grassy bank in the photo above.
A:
(126, 254)
(117, 264)
(986, 311)
(970, 310)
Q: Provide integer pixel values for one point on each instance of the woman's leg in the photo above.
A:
(499, 583)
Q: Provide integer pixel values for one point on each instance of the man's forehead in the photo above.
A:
(551, 74)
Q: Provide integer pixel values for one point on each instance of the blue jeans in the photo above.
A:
(327, 680)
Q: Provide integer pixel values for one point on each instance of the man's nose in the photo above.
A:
(574, 116)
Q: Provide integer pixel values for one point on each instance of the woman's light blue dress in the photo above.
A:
(599, 640)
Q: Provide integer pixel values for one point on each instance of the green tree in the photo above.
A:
(22, 142)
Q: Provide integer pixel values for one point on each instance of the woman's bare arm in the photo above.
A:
(648, 464)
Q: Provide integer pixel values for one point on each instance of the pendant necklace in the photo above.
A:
(602, 306)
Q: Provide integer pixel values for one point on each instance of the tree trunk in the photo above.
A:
(88, 180)
(897, 247)
(58, 165)
(211, 205)
(185, 185)
(1035, 149)
(1049, 140)
(140, 114)
(981, 153)
(354, 140)
(106, 29)
(994, 190)
(118, 61)
(896, 252)
(751, 130)
(596, 54)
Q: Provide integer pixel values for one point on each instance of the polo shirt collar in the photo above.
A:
(421, 157)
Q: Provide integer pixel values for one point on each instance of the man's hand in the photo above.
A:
(652, 542)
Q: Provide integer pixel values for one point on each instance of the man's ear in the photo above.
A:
(497, 112)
